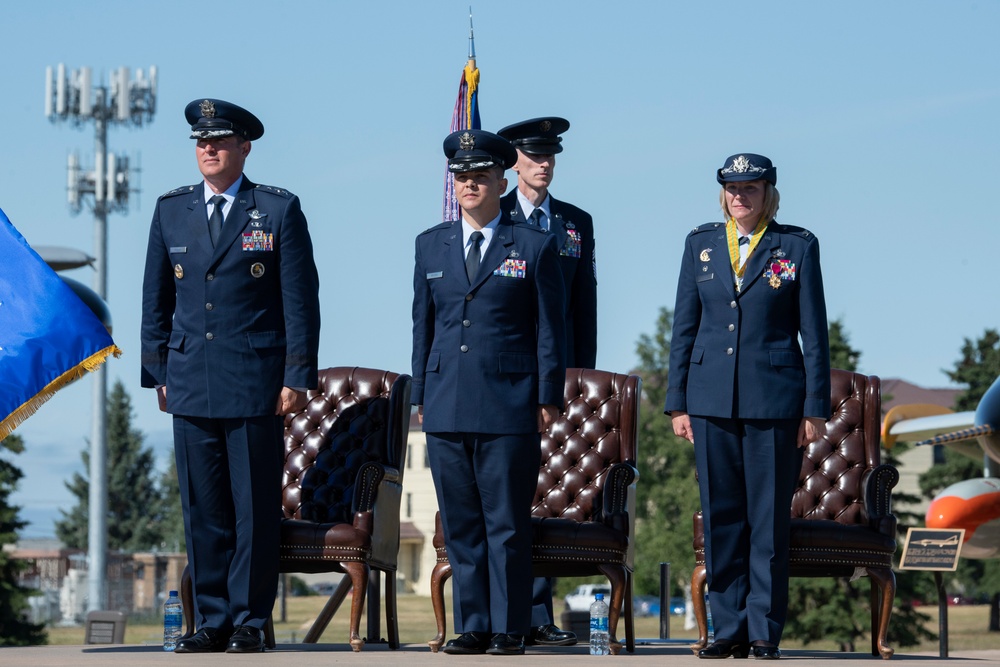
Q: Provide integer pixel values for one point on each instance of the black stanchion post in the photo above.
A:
(664, 600)
(942, 616)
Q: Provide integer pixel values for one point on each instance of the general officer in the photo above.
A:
(537, 141)
(488, 376)
(748, 396)
(230, 332)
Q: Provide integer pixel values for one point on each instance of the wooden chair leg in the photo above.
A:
(886, 581)
(358, 572)
(331, 607)
(699, 577)
(618, 578)
(440, 574)
(269, 641)
(391, 611)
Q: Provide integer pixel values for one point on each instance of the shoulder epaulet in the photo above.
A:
(281, 192)
(441, 225)
(177, 191)
(707, 227)
(797, 231)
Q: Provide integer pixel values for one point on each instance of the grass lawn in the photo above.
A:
(967, 627)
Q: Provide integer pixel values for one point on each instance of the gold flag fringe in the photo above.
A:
(28, 408)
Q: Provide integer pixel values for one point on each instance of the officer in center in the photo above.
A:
(537, 141)
(488, 377)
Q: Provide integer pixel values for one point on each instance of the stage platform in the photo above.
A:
(417, 655)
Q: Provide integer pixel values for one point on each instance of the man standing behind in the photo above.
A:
(230, 333)
(488, 377)
(537, 142)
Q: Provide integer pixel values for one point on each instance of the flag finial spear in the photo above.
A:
(472, 39)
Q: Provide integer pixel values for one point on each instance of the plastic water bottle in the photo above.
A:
(171, 621)
(599, 626)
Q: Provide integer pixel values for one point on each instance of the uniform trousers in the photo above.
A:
(229, 472)
(485, 485)
(747, 472)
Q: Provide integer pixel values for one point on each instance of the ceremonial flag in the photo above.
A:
(48, 337)
(464, 117)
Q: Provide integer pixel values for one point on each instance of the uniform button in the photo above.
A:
(466, 323)
(209, 306)
(468, 297)
(209, 335)
(732, 327)
(210, 276)
(464, 348)
(732, 304)
(729, 351)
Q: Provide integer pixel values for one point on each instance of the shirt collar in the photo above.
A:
(529, 208)
(487, 231)
(229, 194)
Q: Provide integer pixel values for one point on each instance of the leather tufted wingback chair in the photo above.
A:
(584, 509)
(842, 522)
(341, 492)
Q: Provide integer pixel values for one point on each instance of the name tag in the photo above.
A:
(435, 274)
(178, 248)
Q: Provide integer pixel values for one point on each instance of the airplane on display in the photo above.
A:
(972, 504)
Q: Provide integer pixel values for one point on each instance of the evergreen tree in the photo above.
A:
(842, 355)
(15, 629)
(135, 506)
(173, 515)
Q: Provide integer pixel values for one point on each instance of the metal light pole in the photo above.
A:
(125, 102)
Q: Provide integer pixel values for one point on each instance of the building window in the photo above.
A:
(409, 505)
(427, 458)
(409, 457)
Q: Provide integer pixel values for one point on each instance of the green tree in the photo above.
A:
(15, 630)
(135, 508)
(842, 355)
(173, 516)
(667, 490)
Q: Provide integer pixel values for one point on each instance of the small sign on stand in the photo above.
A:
(938, 551)
(930, 549)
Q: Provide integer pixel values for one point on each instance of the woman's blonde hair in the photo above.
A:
(771, 199)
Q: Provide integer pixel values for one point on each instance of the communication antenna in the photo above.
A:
(73, 98)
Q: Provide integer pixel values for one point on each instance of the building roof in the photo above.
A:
(896, 391)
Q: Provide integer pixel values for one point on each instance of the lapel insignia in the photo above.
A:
(570, 225)
(704, 256)
(178, 271)
(513, 213)
(257, 270)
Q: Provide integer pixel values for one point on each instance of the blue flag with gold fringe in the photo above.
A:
(48, 336)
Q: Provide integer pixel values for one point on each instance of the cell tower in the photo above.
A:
(73, 97)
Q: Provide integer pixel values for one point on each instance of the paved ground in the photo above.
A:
(415, 655)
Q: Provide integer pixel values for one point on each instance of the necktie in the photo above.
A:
(537, 216)
(472, 259)
(215, 220)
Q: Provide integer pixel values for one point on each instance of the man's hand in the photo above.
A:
(161, 397)
(546, 415)
(811, 429)
(290, 400)
(420, 414)
(681, 422)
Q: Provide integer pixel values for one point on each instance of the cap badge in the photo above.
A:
(207, 108)
(257, 270)
(178, 271)
(467, 141)
(546, 126)
(742, 165)
(704, 254)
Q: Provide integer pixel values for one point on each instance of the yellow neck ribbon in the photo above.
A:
(733, 237)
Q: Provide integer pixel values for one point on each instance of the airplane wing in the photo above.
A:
(917, 421)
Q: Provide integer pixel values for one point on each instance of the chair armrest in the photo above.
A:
(619, 491)
(366, 486)
(876, 498)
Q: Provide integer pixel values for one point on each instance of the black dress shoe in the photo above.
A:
(503, 644)
(765, 652)
(246, 639)
(724, 648)
(468, 643)
(206, 640)
(549, 635)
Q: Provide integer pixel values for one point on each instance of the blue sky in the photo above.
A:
(880, 116)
